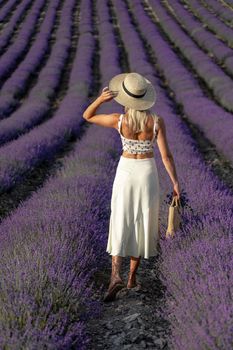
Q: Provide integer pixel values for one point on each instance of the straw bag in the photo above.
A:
(174, 217)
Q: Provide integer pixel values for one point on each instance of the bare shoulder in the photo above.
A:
(160, 122)
(116, 117)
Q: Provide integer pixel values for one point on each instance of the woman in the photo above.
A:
(133, 227)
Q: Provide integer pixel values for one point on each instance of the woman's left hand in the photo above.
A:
(107, 95)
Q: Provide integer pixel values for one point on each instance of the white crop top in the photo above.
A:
(138, 146)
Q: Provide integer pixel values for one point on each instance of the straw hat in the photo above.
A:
(133, 91)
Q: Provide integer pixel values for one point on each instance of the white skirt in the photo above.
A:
(133, 226)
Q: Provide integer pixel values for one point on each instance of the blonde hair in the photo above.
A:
(136, 119)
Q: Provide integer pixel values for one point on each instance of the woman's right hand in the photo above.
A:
(107, 95)
(176, 190)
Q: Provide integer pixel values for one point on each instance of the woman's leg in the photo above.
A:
(116, 269)
(134, 263)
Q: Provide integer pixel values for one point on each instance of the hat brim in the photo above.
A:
(142, 103)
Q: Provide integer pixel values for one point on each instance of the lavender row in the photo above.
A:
(228, 2)
(221, 11)
(16, 83)
(109, 50)
(38, 102)
(214, 77)
(58, 238)
(211, 21)
(43, 142)
(208, 116)
(70, 240)
(191, 262)
(10, 58)
(215, 47)
(5, 10)
(8, 30)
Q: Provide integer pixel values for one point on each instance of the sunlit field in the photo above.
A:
(57, 170)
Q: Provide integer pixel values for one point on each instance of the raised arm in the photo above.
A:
(167, 156)
(107, 120)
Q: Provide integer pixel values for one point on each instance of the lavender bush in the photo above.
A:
(53, 243)
(214, 46)
(196, 106)
(211, 21)
(220, 11)
(58, 239)
(196, 264)
(9, 59)
(17, 82)
(5, 10)
(8, 30)
(213, 76)
(22, 155)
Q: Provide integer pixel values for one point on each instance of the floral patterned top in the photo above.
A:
(138, 146)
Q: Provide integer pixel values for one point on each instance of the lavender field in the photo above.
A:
(57, 172)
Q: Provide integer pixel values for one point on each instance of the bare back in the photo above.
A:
(143, 135)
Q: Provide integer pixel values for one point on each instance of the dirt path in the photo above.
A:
(134, 320)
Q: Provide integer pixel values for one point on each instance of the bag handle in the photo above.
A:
(175, 202)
